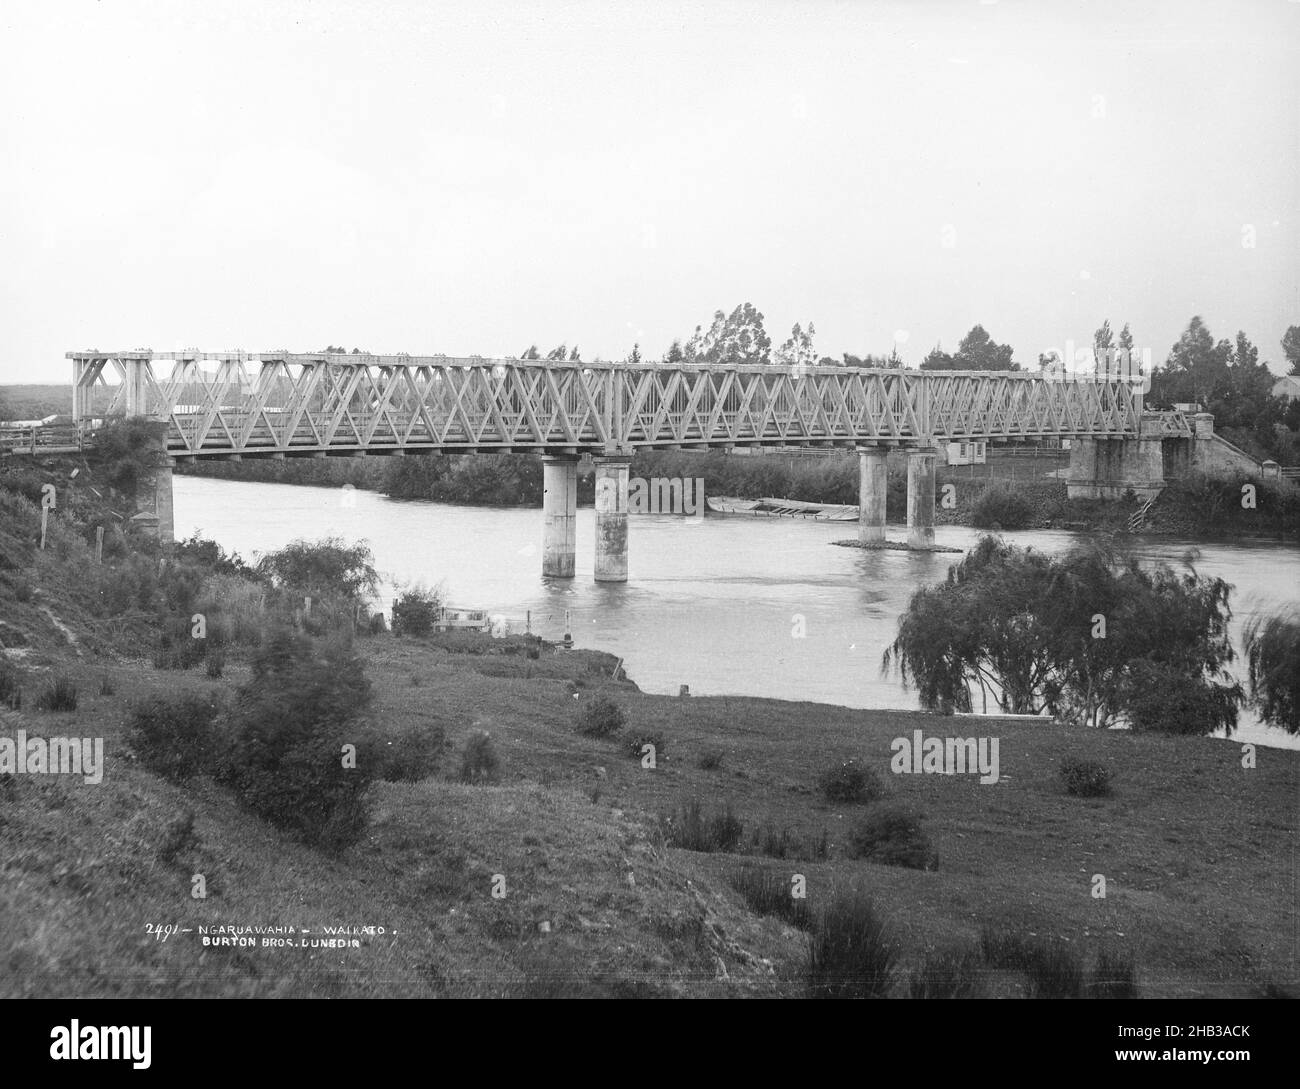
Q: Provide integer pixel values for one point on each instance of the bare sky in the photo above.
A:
(471, 178)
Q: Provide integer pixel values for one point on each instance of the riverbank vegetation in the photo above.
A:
(472, 775)
(1092, 638)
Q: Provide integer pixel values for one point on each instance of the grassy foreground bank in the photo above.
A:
(1196, 850)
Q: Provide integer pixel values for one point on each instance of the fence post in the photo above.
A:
(99, 544)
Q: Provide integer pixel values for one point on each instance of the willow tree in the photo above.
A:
(1092, 637)
(1273, 661)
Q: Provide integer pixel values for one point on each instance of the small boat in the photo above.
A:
(782, 508)
(453, 619)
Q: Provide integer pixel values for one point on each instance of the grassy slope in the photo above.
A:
(1197, 852)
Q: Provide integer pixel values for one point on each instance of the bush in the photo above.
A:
(600, 717)
(106, 685)
(1162, 698)
(951, 974)
(1112, 976)
(1001, 507)
(851, 783)
(850, 954)
(377, 625)
(415, 612)
(289, 726)
(409, 755)
(1085, 778)
(710, 761)
(177, 836)
(768, 893)
(641, 740)
(479, 762)
(59, 694)
(689, 829)
(11, 685)
(892, 835)
(176, 736)
(1052, 968)
(767, 840)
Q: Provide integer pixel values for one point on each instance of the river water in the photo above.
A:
(759, 607)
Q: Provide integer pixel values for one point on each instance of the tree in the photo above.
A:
(738, 338)
(675, 355)
(1291, 347)
(1102, 343)
(977, 352)
(1072, 636)
(938, 360)
(531, 353)
(1273, 660)
(574, 357)
(634, 356)
(1196, 368)
(558, 354)
(322, 568)
(798, 350)
(980, 352)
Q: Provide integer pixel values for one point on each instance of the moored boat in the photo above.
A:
(782, 508)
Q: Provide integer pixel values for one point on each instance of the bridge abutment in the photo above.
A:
(559, 516)
(1108, 468)
(920, 498)
(873, 483)
(611, 518)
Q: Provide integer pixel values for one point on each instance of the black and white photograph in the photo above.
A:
(717, 500)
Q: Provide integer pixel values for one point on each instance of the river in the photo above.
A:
(714, 603)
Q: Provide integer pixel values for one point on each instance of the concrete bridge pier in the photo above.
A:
(611, 518)
(153, 502)
(873, 482)
(559, 516)
(920, 498)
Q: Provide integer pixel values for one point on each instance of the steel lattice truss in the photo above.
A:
(222, 404)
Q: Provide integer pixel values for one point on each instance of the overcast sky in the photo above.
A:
(471, 178)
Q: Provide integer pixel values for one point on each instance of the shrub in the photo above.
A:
(1085, 778)
(176, 736)
(59, 694)
(479, 762)
(771, 894)
(1112, 976)
(851, 783)
(1052, 968)
(377, 625)
(641, 740)
(177, 836)
(892, 835)
(710, 761)
(1001, 507)
(22, 591)
(767, 840)
(288, 728)
(850, 954)
(320, 568)
(11, 685)
(415, 612)
(950, 974)
(600, 717)
(106, 685)
(689, 829)
(1162, 698)
(407, 756)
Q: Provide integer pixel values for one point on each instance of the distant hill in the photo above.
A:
(35, 402)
